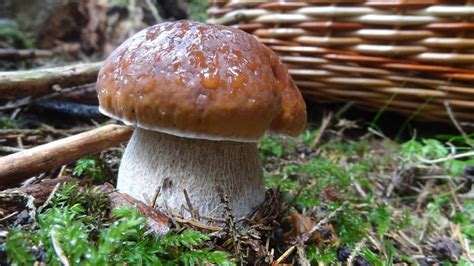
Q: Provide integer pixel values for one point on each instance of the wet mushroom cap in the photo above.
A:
(199, 80)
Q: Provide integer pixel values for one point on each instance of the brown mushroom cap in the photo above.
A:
(199, 80)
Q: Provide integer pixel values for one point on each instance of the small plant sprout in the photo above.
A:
(93, 167)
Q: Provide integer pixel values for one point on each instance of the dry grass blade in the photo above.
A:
(58, 249)
(197, 224)
(194, 212)
(450, 157)
(285, 255)
(51, 195)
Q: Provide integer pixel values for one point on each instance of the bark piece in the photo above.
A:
(16, 208)
(157, 221)
(41, 191)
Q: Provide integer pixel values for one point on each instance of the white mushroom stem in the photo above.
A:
(203, 168)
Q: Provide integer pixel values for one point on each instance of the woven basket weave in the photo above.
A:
(412, 56)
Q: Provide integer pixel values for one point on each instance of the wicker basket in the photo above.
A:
(412, 56)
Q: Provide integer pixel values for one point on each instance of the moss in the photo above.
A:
(78, 222)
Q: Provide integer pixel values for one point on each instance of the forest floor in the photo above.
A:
(332, 197)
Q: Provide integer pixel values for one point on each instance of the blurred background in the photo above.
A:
(399, 65)
(85, 29)
(56, 33)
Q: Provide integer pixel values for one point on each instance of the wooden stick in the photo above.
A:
(41, 81)
(16, 167)
(18, 54)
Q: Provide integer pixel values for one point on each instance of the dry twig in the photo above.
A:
(18, 54)
(46, 129)
(41, 81)
(306, 236)
(57, 91)
(456, 123)
(326, 121)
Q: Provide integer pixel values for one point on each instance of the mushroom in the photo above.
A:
(200, 97)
